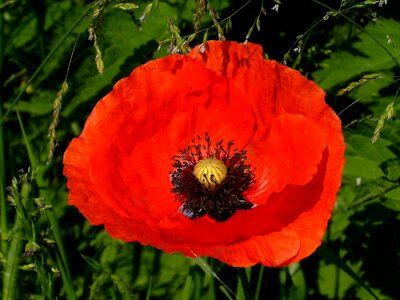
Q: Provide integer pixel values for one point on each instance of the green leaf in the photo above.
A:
(56, 11)
(331, 256)
(40, 103)
(364, 158)
(364, 56)
(392, 199)
(299, 288)
(122, 287)
(94, 264)
(392, 169)
(362, 167)
(374, 189)
(23, 34)
(243, 286)
(372, 92)
(361, 146)
(188, 288)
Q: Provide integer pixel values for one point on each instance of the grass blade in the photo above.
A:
(331, 256)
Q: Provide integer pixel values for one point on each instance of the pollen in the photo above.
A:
(210, 172)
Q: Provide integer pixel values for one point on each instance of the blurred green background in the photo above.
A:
(52, 75)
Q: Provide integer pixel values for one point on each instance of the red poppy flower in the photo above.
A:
(217, 153)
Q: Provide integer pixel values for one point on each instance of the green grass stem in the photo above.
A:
(10, 271)
(259, 282)
(44, 62)
(62, 257)
(3, 202)
(243, 288)
(327, 254)
(32, 159)
(342, 14)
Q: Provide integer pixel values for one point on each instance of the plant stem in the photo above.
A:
(243, 290)
(259, 283)
(11, 268)
(342, 14)
(32, 159)
(44, 62)
(62, 257)
(3, 203)
(60, 250)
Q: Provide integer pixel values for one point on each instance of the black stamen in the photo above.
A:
(226, 198)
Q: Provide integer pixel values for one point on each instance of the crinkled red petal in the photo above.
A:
(118, 169)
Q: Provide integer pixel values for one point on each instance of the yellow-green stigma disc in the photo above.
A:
(210, 172)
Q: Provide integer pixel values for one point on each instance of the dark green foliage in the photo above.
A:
(50, 81)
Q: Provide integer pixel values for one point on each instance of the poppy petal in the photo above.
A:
(119, 168)
(114, 169)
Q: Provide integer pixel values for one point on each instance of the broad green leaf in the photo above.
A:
(23, 34)
(361, 146)
(340, 216)
(40, 103)
(332, 257)
(365, 56)
(392, 200)
(56, 11)
(373, 190)
(298, 287)
(333, 283)
(391, 132)
(173, 271)
(392, 169)
(362, 167)
(364, 158)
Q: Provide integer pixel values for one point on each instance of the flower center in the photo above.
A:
(210, 180)
(210, 172)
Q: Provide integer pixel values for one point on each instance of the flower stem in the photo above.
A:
(243, 288)
(259, 282)
(3, 203)
(10, 271)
